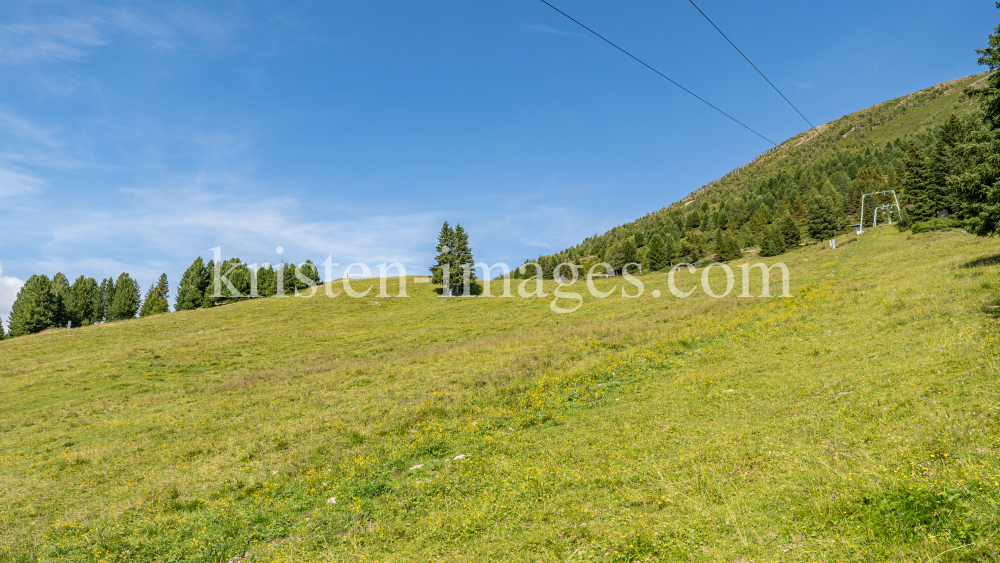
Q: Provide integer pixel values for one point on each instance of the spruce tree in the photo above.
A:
(454, 251)
(669, 249)
(726, 246)
(694, 219)
(656, 253)
(990, 95)
(445, 245)
(84, 303)
(127, 299)
(107, 297)
(60, 293)
(978, 186)
(823, 219)
(155, 302)
(463, 255)
(34, 307)
(191, 290)
(628, 252)
(918, 186)
(613, 256)
(790, 230)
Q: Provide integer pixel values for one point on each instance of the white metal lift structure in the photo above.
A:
(886, 207)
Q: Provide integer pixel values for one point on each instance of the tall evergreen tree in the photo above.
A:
(990, 95)
(84, 304)
(107, 298)
(789, 230)
(669, 249)
(726, 246)
(773, 240)
(628, 252)
(823, 219)
(194, 283)
(694, 219)
(127, 299)
(454, 251)
(463, 253)
(978, 186)
(34, 307)
(155, 302)
(656, 253)
(60, 293)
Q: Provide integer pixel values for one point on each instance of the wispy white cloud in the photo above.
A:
(15, 183)
(27, 130)
(60, 39)
(542, 28)
(9, 287)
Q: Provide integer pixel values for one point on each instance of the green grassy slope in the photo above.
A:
(854, 421)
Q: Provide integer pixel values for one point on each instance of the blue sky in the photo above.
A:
(135, 136)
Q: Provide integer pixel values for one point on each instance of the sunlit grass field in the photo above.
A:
(855, 421)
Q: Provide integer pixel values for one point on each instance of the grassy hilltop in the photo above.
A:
(856, 420)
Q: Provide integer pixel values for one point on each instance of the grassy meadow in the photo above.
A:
(856, 420)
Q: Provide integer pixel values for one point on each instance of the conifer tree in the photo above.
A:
(669, 249)
(127, 299)
(155, 302)
(823, 219)
(790, 230)
(726, 247)
(445, 245)
(191, 290)
(656, 253)
(978, 186)
(60, 293)
(694, 219)
(463, 253)
(310, 271)
(613, 256)
(84, 305)
(107, 297)
(628, 252)
(34, 307)
(454, 251)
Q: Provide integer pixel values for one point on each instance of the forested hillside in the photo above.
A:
(810, 186)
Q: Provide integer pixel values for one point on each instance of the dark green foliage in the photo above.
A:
(823, 219)
(310, 271)
(656, 254)
(726, 247)
(628, 252)
(979, 186)
(990, 95)
(155, 302)
(107, 297)
(669, 248)
(640, 239)
(613, 256)
(453, 249)
(772, 241)
(34, 308)
(194, 283)
(770, 248)
(694, 219)
(127, 299)
(789, 230)
(84, 303)
(935, 225)
(267, 281)
(60, 292)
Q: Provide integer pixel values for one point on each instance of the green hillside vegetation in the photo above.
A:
(815, 180)
(854, 421)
